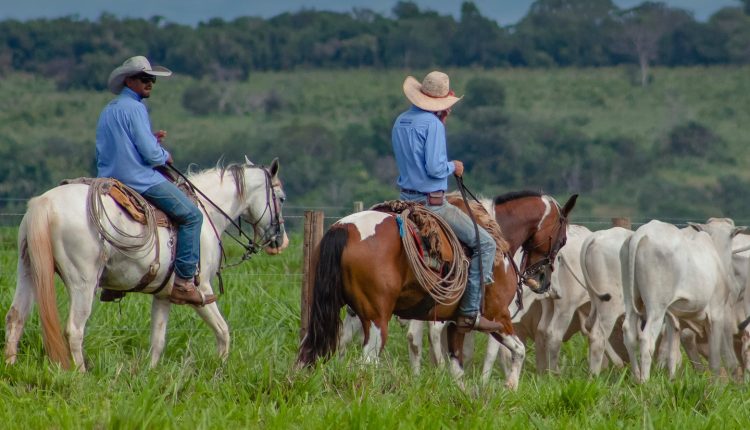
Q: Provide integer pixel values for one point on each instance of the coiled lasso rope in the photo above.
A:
(131, 245)
(445, 290)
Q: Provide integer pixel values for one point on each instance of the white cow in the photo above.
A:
(696, 345)
(683, 275)
(567, 300)
(549, 318)
(600, 261)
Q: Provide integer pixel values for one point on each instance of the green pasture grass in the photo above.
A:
(258, 387)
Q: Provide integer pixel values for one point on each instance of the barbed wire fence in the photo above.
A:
(297, 220)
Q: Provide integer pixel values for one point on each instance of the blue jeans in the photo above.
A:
(189, 219)
(461, 224)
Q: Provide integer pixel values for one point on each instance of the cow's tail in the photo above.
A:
(627, 259)
(41, 266)
(324, 322)
(587, 243)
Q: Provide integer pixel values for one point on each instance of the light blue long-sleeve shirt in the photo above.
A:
(126, 149)
(418, 138)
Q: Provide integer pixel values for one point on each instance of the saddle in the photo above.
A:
(136, 207)
(424, 229)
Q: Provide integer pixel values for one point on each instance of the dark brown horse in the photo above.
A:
(361, 262)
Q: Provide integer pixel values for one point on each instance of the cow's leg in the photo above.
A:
(414, 340)
(689, 341)
(671, 343)
(630, 338)
(647, 342)
(554, 332)
(540, 341)
(727, 342)
(746, 352)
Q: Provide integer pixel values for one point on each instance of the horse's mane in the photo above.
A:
(513, 195)
(236, 170)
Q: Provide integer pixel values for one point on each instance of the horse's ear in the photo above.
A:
(569, 205)
(248, 162)
(274, 168)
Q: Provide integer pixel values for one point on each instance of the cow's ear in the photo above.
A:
(740, 230)
(695, 226)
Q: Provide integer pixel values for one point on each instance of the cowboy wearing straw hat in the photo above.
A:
(128, 151)
(419, 145)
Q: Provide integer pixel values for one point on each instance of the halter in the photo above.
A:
(554, 248)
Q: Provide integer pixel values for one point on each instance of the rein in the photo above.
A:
(478, 250)
(519, 285)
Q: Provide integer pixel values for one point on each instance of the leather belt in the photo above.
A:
(434, 193)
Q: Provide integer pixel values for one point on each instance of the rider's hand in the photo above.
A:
(459, 168)
(160, 135)
(169, 160)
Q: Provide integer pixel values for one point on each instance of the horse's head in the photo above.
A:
(541, 248)
(264, 207)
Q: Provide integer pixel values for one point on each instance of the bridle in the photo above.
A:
(253, 245)
(273, 205)
(555, 241)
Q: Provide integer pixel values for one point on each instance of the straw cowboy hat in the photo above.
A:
(433, 94)
(133, 66)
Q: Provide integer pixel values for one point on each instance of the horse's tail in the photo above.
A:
(324, 323)
(41, 263)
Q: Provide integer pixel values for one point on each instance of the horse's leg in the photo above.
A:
(493, 347)
(18, 312)
(81, 299)
(414, 339)
(517, 353)
(438, 343)
(211, 315)
(159, 317)
(455, 352)
(468, 348)
(350, 327)
(376, 334)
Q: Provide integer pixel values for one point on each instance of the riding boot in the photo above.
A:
(184, 291)
(478, 322)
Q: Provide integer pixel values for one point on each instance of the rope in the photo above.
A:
(445, 290)
(127, 244)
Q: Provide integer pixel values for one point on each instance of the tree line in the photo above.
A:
(79, 53)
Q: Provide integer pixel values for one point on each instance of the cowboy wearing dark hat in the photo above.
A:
(419, 145)
(128, 151)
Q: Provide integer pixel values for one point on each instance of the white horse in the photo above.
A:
(57, 235)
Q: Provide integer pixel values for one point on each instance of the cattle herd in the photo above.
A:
(635, 295)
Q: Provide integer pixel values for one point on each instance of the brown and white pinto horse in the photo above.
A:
(361, 262)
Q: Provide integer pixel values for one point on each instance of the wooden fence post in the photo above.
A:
(313, 233)
(623, 222)
(359, 206)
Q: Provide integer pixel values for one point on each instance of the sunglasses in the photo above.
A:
(145, 78)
